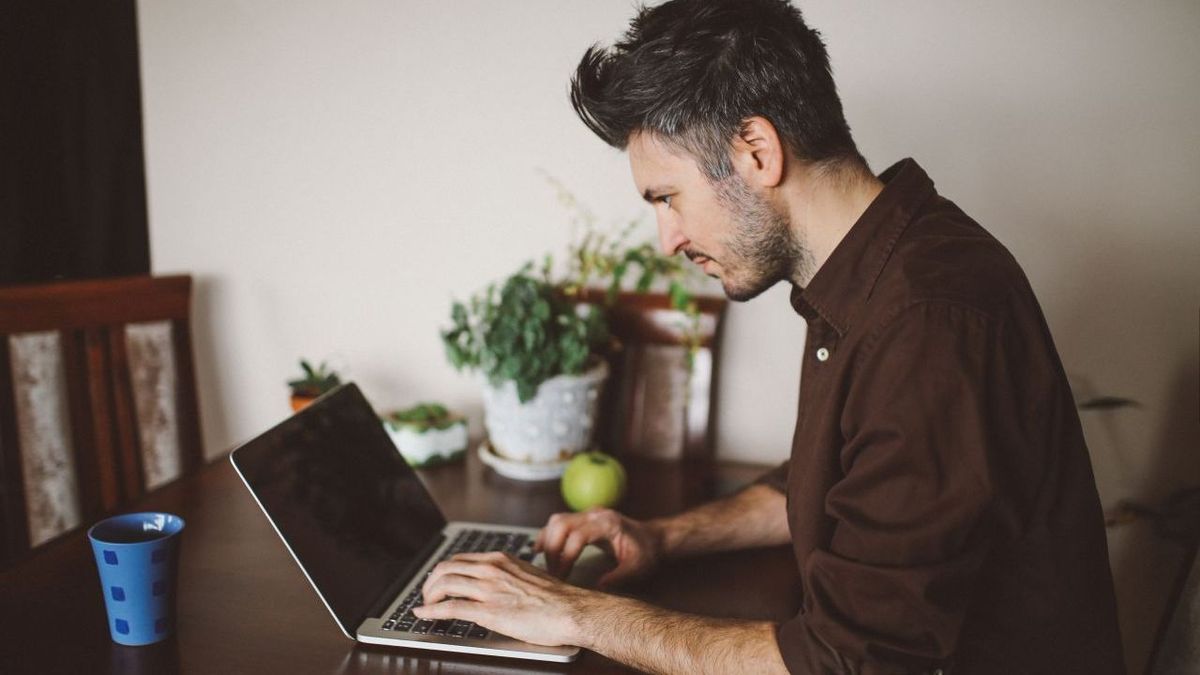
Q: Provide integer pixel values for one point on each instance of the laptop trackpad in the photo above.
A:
(593, 562)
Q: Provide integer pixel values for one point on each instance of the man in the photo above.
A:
(939, 497)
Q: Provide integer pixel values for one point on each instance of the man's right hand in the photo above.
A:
(637, 546)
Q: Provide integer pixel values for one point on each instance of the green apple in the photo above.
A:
(593, 479)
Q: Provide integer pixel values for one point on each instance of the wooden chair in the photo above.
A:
(654, 405)
(97, 400)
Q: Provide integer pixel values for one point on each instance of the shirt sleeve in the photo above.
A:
(909, 514)
(775, 478)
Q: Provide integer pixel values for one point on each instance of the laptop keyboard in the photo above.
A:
(467, 541)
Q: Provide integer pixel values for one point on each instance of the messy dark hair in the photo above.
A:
(690, 72)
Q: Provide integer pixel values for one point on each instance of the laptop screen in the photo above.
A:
(353, 513)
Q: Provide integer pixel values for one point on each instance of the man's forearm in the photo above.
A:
(756, 516)
(660, 641)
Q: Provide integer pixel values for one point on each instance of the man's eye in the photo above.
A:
(666, 199)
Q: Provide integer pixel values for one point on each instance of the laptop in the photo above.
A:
(366, 533)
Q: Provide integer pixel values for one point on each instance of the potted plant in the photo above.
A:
(538, 355)
(427, 434)
(313, 383)
(661, 331)
(601, 263)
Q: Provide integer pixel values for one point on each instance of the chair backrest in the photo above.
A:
(654, 404)
(97, 400)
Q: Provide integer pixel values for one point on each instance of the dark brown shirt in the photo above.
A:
(941, 501)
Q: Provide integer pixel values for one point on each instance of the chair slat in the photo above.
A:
(74, 355)
(188, 409)
(100, 411)
(128, 446)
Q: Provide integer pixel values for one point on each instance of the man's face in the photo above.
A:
(734, 234)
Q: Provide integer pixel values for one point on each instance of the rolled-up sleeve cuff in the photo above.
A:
(803, 652)
(775, 478)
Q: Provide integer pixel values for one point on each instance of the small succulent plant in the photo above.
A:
(316, 381)
(423, 417)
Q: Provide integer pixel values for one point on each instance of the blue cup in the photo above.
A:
(137, 555)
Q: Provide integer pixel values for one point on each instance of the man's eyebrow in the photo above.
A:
(653, 193)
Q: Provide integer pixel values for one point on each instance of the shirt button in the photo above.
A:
(822, 354)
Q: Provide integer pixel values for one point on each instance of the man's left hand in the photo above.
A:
(507, 595)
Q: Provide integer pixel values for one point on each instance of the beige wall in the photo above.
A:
(335, 173)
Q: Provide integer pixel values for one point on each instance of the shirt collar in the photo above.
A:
(844, 282)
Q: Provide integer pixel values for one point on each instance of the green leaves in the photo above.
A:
(459, 339)
(423, 416)
(526, 331)
(680, 297)
(527, 334)
(315, 381)
(597, 256)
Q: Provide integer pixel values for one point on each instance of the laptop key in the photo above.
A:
(422, 627)
(440, 627)
(478, 632)
(404, 624)
(459, 629)
(387, 625)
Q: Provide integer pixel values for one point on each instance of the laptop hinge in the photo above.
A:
(389, 595)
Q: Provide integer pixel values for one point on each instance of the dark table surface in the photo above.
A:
(245, 607)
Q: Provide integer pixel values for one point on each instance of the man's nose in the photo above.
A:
(670, 237)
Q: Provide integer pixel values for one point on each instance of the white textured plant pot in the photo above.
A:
(551, 427)
(431, 446)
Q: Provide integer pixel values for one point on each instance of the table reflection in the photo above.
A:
(161, 658)
(364, 659)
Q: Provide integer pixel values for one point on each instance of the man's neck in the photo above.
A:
(833, 200)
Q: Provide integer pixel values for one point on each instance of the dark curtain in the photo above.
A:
(72, 183)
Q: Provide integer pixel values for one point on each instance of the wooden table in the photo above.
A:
(245, 607)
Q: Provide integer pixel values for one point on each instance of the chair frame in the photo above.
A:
(90, 317)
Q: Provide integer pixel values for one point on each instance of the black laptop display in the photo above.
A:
(361, 525)
(356, 526)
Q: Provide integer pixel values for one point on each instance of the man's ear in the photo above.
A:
(758, 154)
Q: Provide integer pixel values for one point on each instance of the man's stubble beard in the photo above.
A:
(763, 250)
